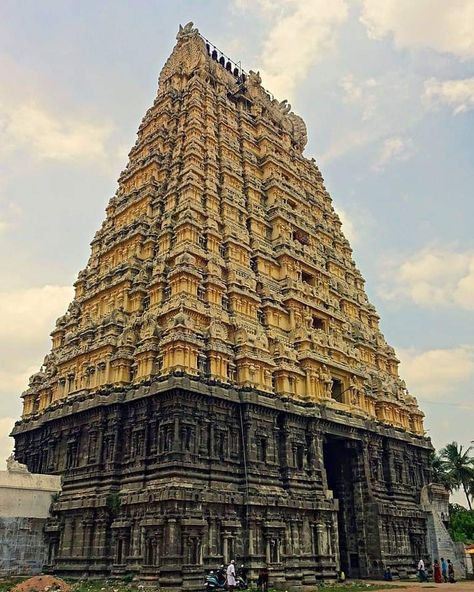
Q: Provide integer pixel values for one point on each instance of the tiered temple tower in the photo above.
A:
(219, 386)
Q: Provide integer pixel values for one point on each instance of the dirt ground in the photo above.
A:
(41, 584)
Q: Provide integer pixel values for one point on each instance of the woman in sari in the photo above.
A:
(437, 572)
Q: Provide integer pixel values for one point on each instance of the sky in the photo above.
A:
(386, 88)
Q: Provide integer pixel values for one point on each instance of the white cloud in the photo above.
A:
(432, 277)
(343, 144)
(394, 149)
(29, 314)
(34, 121)
(457, 94)
(49, 136)
(440, 25)
(14, 374)
(360, 92)
(9, 213)
(380, 110)
(437, 373)
(356, 223)
(301, 32)
(348, 226)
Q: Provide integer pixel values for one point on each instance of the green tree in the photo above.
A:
(461, 523)
(459, 467)
(440, 473)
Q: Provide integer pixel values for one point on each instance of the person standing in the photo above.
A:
(421, 571)
(444, 569)
(437, 572)
(231, 582)
(262, 582)
(451, 572)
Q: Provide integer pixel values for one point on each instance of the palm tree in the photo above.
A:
(459, 466)
(440, 473)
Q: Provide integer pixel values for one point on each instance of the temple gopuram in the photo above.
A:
(219, 387)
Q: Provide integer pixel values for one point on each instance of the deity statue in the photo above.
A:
(326, 379)
(356, 390)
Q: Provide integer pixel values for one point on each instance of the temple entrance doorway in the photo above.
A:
(339, 462)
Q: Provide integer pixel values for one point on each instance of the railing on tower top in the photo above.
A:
(234, 68)
(218, 56)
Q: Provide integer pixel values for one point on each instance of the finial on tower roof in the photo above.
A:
(186, 31)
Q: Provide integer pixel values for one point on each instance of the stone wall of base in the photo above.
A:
(169, 483)
(22, 546)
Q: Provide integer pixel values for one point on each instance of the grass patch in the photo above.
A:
(350, 586)
(106, 586)
(6, 584)
(356, 587)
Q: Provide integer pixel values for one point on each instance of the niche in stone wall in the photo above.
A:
(318, 323)
(262, 449)
(337, 390)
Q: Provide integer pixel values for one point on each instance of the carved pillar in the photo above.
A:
(320, 544)
(268, 551)
(176, 439)
(335, 538)
(171, 541)
(66, 538)
(100, 537)
(87, 530)
(250, 534)
(225, 548)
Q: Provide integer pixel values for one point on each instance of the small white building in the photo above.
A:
(25, 500)
(469, 550)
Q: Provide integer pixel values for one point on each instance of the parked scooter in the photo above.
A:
(216, 580)
(241, 578)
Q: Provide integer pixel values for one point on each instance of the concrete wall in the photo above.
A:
(25, 500)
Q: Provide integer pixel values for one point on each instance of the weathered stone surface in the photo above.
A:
(219, 386)
(25, 500)
(22, 546)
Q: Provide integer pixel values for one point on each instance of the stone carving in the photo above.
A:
(217, 330)
(326, 381)
(13, 466)
(187, 31)
(129, 337)
(299, 131)
(183, 318)
(356, 390)
(279, 111)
